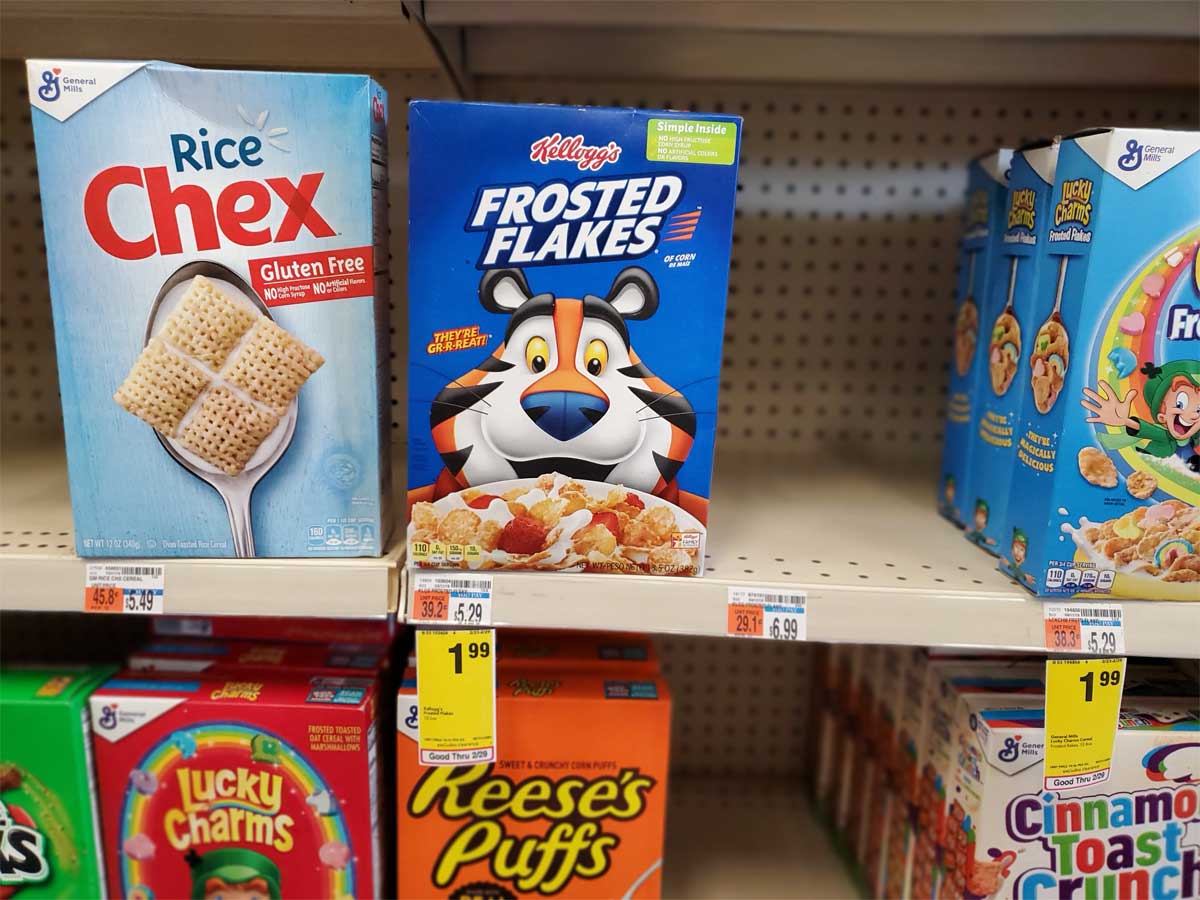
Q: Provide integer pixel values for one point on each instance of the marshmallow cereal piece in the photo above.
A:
(139, 847)
(1134, 323)
(1173, 257)
(334, 854)
(1153, 284)
(184, 743)
(1158, 513)
(143, 782)
(1123, 360)
(322, 802)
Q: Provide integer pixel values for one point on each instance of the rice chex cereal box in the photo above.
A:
(567, 274)
(216, 243)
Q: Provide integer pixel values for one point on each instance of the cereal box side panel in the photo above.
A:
(132, 192)
(1011, 336)
(52, 848)
(561, 324)
(184, 654)
(576, 767)
(284, 629)
(982, 218)
(1130, 506)
(176, 759)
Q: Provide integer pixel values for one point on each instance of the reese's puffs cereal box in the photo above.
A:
(565, 323)
(239, 784)
(49, 840)
(574, 806)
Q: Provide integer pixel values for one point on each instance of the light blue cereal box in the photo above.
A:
(216, 247)
(983, 222)
(566, 310)
(1008, 324)
(1104, 497)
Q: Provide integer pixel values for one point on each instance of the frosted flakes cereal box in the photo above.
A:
(983, 221)
(1104, 499)
(1018, 343)
(567, 284)
(1133, 836)
(238, 785)
(216, 250)
(574, 806)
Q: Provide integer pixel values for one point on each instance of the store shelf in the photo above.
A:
(40, 571)
(748, 838)
(864, 543)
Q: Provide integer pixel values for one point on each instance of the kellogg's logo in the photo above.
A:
(555, 147)
(22, 850)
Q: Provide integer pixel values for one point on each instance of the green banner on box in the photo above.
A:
(691, 141)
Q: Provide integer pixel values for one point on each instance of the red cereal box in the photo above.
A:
(255, 784)
(199, 655)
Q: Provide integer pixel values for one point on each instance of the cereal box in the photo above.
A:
(1134, 836)
(216, 250)
(238, 786)
(983, 221)
(275, 628)
(566, 309)
(573, 807)
(1104, 497)
(600, 650)
(49, 834)
(1016, 344)
(201, 655)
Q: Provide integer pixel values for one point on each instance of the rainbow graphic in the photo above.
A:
(164, 756)
(1146, 344)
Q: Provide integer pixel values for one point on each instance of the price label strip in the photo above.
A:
(773, 615)
(451, 598)
(1083, 702)
(124, 588)
(456, 696)
(1082, 628)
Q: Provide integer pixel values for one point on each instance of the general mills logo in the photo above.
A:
(1132, 160)
(108, 717)
(1012, 749)
(49, 90)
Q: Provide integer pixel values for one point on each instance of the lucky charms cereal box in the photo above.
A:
(237, 785)
(1105, 493)
(567, 274)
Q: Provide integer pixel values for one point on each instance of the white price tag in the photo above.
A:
(1083, 628)
(452, 598)
(759, 613)
(124, 588)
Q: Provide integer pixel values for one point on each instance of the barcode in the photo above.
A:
(463, 584)
(1092, 612)
(140, 570)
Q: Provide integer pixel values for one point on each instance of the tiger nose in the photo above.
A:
(564, 414)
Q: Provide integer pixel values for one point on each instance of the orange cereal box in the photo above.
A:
(574, 806)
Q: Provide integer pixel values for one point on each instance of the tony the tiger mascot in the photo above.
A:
(564, 393)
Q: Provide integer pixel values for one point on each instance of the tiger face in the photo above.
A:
(564, 393)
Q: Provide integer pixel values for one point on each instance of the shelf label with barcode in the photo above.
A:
(1083, 703)
(124, 588)
(1083, 628)
(452, 598)
(759, 613)
(456, 696)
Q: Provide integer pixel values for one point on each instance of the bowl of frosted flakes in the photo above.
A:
(556, 523)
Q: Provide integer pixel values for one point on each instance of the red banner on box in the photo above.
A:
(309, 277)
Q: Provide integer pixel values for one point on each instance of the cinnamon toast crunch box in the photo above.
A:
(1134, 836)
(574, 806)
(1105, 499)
(238, 785)
(49, 822)
(216, 246)
(566, 310)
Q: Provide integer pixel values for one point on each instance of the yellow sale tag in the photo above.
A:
(1083, 703)
(456, 696)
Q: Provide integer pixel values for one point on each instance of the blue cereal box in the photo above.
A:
(1104, 497)
(983, 221)
(215, 242)
(567, 277)
(1008, 322)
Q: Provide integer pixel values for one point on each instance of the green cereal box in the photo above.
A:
(49, 842)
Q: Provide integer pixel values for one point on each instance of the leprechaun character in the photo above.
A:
(979, 523)
(1172, 392)
(233, 873)
(1020, 547)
